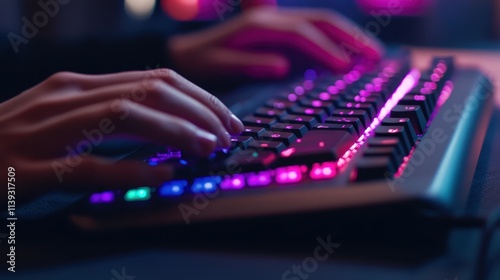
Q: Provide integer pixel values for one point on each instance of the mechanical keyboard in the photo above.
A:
(379, 134)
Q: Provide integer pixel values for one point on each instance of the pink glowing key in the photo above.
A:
(321, 171)
(333, 90)
(324, 96)
(262, 178)
(233, 182)
(287, 175)
(316, 103)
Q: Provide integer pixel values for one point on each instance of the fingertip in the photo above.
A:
(206, 142)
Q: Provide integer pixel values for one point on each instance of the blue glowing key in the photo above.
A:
(138, 194)
(173, 188)
(205, 184)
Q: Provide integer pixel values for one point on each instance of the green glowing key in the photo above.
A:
(138, 194)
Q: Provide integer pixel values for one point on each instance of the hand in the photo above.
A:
(47, 132)
(253, 44)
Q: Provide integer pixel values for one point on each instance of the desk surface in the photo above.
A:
(119, 256)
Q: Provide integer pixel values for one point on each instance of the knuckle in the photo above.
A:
(62, 79)
(165, 74)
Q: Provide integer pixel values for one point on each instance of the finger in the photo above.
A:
(231, 62)
(160, 96)
(146, 80)
(286, 32)
(80, 130)
(344, 31)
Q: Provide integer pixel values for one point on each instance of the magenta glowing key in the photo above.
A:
(321, 171)
(262, 178)
(104, 197)
(289, 174)
(234, 182)
(324, 96)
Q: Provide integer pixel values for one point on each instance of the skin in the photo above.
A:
(160, 106)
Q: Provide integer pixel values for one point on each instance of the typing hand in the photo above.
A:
(254, 44)
(48, 131)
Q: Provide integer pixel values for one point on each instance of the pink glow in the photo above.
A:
(316, 103)
(332, 90)
(324, 96)
(340, 84)
(233, 182)
(299, 90)
(321, 171)
(259, 179)
(309, 111)
(308, 85)
(288, 152)
(406, 85)
(292, 97)
(289, 174)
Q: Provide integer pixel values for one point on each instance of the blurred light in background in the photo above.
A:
(396, 7)
(181, 9)
(140, 9)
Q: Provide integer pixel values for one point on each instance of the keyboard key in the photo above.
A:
(285, 137)
(383, 142)
(241, 141)
(420, 100)
(390, 152)
(325, 96)
(328, 106)
(308, 121)
(298, 129)
(317, 113)
(369, 168)
(270, 112)
(259, 121)
(355, 122)
(362, 115)
(410, 131)
(250, 160)
(317, 146)
(414, 113)
(280, 104)
(253, 131)
(333, 126)
(368, 107)
(268, 145)
(395, 131)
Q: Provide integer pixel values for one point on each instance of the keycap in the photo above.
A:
(318, 113)
(298, 129)
(390, 152)
(395, 131)
(308, 121)
(270, 112)
(362, 115)
(333, 126)
(410, 131)
(280, 104)
(355, 122)
(241, 141)
(317, 146)
(259, 121)
(249, 160)
(414, 113)
(369, 108)
(420, 100)
(286, 137)
(328, 106)
(375, 101)
(383, 142)
(325, 96)
(253, 131)
(267, 145)
(369, 168)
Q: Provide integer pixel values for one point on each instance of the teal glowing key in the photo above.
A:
(138, 194)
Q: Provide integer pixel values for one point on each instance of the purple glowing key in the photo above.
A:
(234, 182)
(262, 178)
(104, 197)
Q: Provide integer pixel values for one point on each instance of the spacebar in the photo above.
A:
(317, 146)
